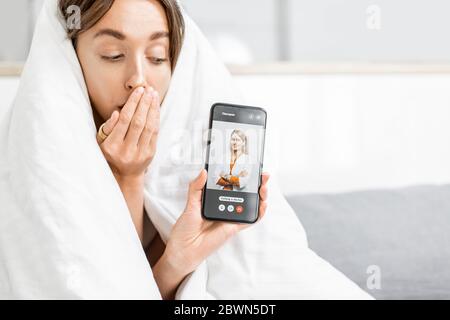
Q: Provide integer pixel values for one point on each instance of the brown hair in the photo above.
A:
(92, 11)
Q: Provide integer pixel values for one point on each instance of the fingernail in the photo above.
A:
(139, 90)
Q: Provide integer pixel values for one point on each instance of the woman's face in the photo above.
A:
(127, 48)
(236, 142)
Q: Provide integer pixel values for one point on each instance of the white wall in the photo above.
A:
(342, 132)
(303, 30)
(14, 30)
(331, 133)
(330, 30)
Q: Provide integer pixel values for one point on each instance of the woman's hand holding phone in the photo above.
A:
(129, 148)
(193, 238)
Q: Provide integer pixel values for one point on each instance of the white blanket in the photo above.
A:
(65, 230)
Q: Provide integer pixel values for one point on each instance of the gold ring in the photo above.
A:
(102, 135)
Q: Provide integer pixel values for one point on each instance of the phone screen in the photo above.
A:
(234, 163)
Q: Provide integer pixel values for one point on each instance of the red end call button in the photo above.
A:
(239, 209)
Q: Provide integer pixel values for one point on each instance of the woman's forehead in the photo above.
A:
(133, 19)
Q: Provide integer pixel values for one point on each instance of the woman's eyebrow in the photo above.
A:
(159, 34)
(110, 32)
(119, 35)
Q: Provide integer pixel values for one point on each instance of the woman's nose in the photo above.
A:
(136, 81)
(137, 77)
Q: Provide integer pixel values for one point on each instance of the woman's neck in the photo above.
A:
(237, 153)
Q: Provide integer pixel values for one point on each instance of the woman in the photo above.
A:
(238, 172)
(127, 51)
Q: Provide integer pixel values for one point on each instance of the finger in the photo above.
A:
(196, 187)
(147, 139)
(139, 119)
(262, 209)
(153, 142)
(109, 126)
(263, 192)
(126, 114)
(265, 177)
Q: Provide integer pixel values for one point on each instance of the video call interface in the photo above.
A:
(234, 163)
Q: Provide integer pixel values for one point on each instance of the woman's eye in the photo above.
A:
(113, 58)
(158, 60)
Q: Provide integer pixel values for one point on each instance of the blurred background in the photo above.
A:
(359, 86)
(358, 102)
(255, 31)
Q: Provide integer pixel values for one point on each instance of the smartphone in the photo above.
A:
(234, 161)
